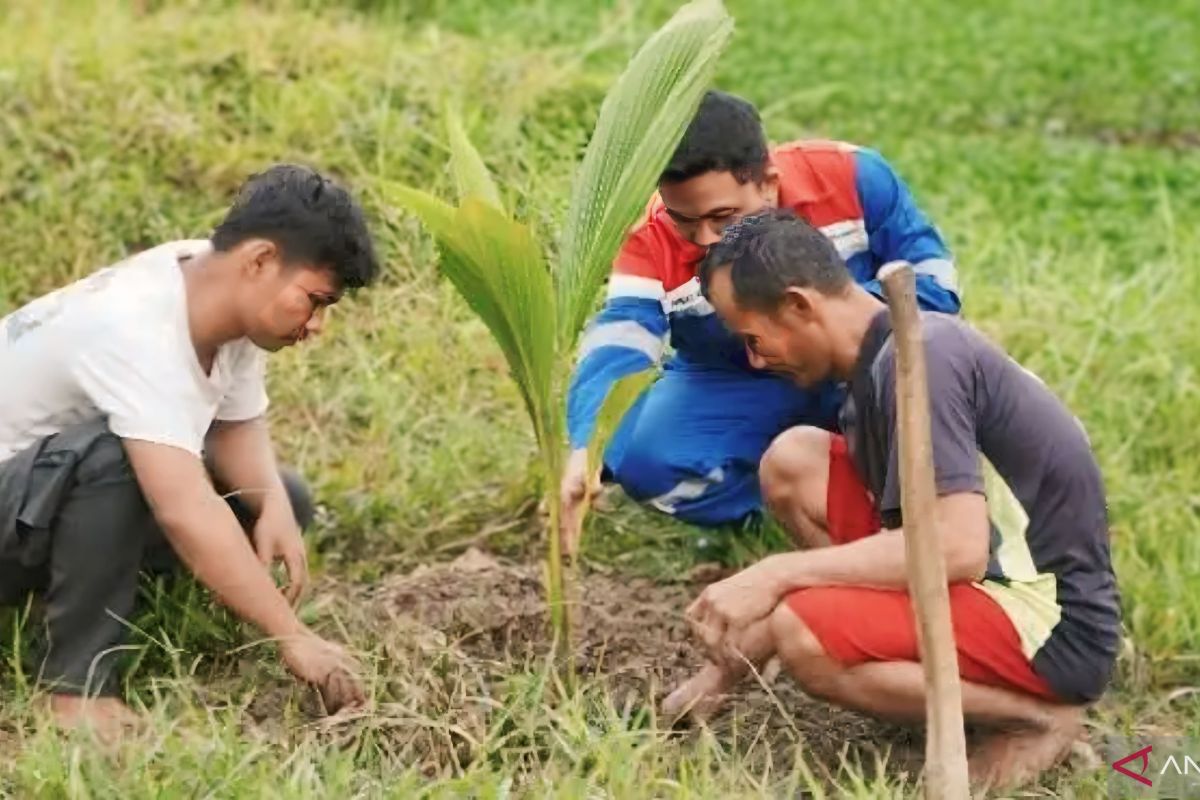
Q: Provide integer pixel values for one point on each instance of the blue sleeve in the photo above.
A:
(627, 336)
(897, 229)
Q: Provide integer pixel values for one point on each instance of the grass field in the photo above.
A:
(1057, 144)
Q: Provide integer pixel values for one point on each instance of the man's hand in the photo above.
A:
(325, 665)
(724, 610)
(208, 539)
(277, 538)
(577, 487)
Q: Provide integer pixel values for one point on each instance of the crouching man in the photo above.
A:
(129, 395)
(1021, 518)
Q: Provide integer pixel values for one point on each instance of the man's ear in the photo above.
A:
(798, 303)
(257, 256)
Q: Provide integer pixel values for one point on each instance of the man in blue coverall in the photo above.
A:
(692, 445)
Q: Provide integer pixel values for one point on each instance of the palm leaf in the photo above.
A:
(471, 175)
(620, 398)
(641, 121)
(499, 270)
(503, 277)
(436, 215)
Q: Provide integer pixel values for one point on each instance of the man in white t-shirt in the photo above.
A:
(130, 395)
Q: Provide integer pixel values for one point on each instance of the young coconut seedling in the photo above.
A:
(536, 313)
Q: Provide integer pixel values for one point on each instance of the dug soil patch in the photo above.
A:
(455, 635)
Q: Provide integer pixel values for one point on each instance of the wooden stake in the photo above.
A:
(945, 748)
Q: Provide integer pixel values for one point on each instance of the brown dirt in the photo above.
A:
(457, 632)
(8, 745)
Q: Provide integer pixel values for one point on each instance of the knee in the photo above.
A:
(644, 470)
(793, 639)
(300, 496)
(801, 651)
(795, 458)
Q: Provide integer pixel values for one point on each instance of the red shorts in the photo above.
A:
(856, 624)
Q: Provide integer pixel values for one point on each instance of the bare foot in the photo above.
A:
(108, 717)
(1010, 758)
(700, 696)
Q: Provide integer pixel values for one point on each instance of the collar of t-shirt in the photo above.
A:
(877, 335)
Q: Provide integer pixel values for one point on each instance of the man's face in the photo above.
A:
(287, 304)
(789, 340)
(701, 207)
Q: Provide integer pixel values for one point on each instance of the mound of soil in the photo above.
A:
(631, 638)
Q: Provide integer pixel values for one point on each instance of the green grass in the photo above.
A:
(1056, 144)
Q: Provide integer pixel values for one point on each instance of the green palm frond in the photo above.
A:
(498, 268)
(620, 398)
(436, 215)
(641, 122)
(471, 176)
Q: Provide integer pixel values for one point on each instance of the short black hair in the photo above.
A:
(726, 135)
(308, 216)
(768, 253)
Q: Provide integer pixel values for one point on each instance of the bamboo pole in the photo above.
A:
(945, 746)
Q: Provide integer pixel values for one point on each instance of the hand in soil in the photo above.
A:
(727, 608)
(327, 666)
(109, 718)
(340, 690)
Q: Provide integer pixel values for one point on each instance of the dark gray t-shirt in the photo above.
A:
(997, 430)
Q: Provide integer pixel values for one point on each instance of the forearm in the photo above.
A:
(627, 335)
(878, 561)
(897, 229)
(590, 385)
(242, 460)
(210, 542)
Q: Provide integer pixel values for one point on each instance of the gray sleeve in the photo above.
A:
(950, 368)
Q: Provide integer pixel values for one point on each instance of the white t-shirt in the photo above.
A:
(116, 345)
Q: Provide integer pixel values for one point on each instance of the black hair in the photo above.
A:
(768, 253)
(726, 135)
(308, 216)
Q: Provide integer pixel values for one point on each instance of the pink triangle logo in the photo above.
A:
(1140, 776)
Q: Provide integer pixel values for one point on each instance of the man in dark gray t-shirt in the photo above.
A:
(998, 431)
(1021, 514)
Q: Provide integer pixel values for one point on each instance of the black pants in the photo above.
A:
(79, 531)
